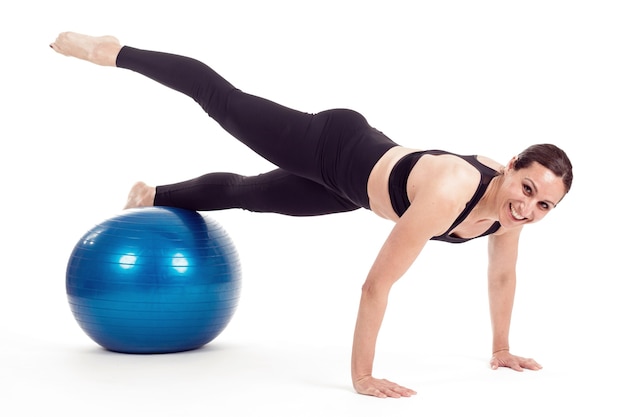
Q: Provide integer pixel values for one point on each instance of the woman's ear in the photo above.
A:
(511, 164)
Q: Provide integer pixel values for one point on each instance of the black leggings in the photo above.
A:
(324, 159)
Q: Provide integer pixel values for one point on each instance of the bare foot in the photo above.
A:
(100, 50)
(141, 195)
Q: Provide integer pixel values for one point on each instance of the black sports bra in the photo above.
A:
(400, 200)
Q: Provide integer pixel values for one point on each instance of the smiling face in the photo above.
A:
(528, 194)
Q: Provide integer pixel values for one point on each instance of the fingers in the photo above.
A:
(495, 364)
(382, 388)
(395, 391)
(516, 367)
(530, 364)
(514, 362)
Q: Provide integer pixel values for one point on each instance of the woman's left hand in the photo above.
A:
(517, 363)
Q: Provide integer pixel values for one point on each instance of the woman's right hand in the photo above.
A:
(381, 388)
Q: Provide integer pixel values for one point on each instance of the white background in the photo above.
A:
(484, 77)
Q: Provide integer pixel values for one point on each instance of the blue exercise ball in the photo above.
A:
(154, 280)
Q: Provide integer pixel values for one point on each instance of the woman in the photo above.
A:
(333, 162)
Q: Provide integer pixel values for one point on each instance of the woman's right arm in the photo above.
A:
(410, 234)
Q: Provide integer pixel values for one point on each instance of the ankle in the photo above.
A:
(105, 53)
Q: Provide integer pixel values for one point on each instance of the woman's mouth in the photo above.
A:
(515, 214)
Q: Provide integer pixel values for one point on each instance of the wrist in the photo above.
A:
(501, 349)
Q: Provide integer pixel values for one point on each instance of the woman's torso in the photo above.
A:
(428, 167)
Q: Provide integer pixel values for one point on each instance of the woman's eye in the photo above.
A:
(527, 189)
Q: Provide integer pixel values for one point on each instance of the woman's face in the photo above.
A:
(528, 194)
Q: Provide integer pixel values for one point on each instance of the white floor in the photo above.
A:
(473, 77)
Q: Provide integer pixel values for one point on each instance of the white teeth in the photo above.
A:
(515, 214)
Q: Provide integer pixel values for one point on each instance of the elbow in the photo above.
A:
(502, 279)
(374, 289)
(368, 288)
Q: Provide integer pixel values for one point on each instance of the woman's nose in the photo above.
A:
(527, 209)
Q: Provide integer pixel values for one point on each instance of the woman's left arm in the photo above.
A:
(502, 281)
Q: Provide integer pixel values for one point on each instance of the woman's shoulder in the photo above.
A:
(445, 173)
(496, 166)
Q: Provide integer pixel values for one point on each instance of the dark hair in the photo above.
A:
(551, 157)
